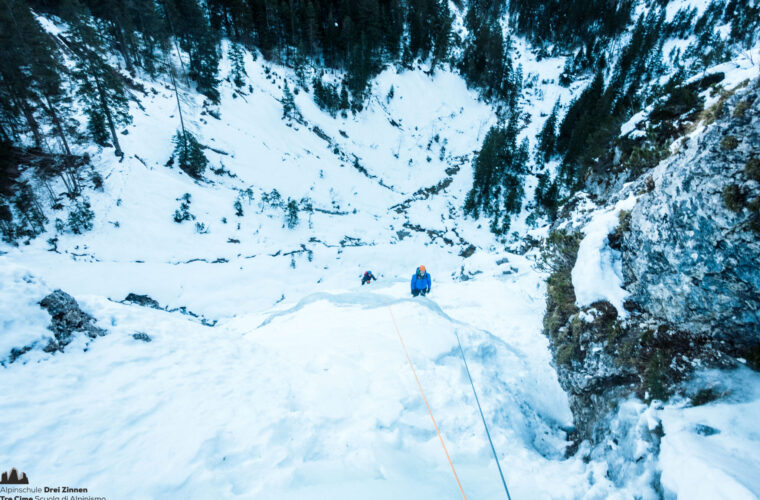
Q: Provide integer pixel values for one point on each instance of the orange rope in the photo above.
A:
(426, 403)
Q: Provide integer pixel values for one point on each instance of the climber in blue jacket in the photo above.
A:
(420, 282)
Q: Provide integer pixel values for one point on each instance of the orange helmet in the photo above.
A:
(422, 269)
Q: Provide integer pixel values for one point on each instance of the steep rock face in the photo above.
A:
(690, 249)
(691, 256)
(593, 376)
(584, 342)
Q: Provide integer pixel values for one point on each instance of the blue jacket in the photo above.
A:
(420, 282)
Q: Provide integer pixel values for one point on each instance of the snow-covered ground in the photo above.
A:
(312, 400)
(713, 451)
(301, 389)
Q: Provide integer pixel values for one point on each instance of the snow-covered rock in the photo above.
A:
(67, 319)
(687, 253)
(597, 274)
(690, 259)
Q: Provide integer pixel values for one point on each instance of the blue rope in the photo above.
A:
(503, 481)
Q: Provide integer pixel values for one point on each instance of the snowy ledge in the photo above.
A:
(598, 271)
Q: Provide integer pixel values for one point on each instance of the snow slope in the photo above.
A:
(315, 401)
(713, 451)
(301, 389)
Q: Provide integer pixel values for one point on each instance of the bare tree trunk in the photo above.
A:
(68, 174)
(29, 116)
(37, 207)
(72, 170)
(149, 44)
(107, 111)
(27, 219)
(66, 150)
(123, 47)
(14, 131)
(36, 217)
(176, 43)
(49, 189)
(21, 102)
(57, 124)
(30, 221)
(69, 189)
(179, 107)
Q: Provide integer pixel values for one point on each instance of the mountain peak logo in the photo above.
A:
(12, 477)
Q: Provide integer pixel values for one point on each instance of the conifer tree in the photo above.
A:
(291, 214)
(101, 87)
(569, 23)
(189, 154)
(149, 21)
(441, 33)
(547, 138)
(310, 29)
(81, 217)
(237, 63)
(487, 62)
(117, 23)
(497, 187)
(547, 196)
(420, 38)
(326, 95)
(204, 65)
(30, 73)
(392, 13)
(361, 67)
(368, 19)
(6, 223)
(289, 109)
(581, 118)
(28, 206)
(344, 102)
(196, 37)
(232, 18)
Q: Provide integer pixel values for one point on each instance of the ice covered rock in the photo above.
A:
(690, 258)
(590, 372)
(688, 252)
(142, 300)
(67, 319)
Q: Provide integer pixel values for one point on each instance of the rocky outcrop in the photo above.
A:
(593, 374)
(690, 249)
(148, 301)
(142, 336)
(142, 300)
(67, 319)
(585, 343)
(690, 257)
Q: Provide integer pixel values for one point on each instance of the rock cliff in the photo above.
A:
(689, 252)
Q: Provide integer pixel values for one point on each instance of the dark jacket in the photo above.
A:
(368, 277)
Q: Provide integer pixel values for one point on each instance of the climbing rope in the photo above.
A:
(422, 392)
(493, 449)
